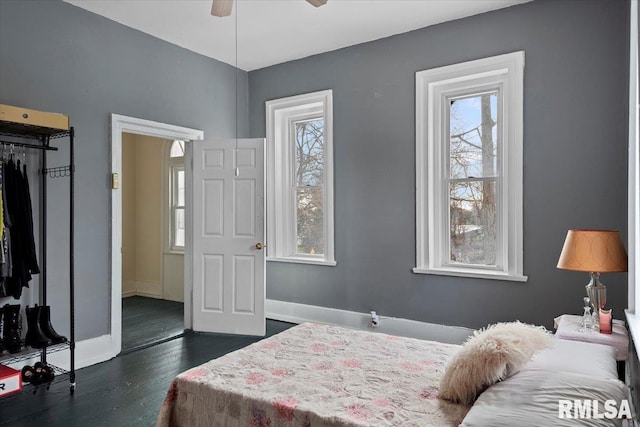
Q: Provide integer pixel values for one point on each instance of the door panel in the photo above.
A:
(228, 222)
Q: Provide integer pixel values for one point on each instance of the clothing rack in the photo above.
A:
(27, 145)
(40, 138)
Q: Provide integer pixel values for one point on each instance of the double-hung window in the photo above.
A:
(176, 195)
(469, 169)
(300, 179)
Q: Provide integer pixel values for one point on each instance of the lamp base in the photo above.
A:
(597, 293)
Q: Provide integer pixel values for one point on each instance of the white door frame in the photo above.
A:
(137, 126)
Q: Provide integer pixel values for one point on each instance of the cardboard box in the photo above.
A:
(10, 381)
(9, 113)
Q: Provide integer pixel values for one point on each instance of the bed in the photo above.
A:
(320, 375)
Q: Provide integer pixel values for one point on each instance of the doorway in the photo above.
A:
(151, 309)
(153, 192)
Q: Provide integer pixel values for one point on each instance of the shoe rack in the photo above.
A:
(34, 130)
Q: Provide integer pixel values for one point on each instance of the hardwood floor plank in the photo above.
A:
(148, 320)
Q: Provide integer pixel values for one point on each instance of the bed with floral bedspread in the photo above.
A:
(317, 375)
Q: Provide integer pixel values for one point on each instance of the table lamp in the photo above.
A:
(594, 251)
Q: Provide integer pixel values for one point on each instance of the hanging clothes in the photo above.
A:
(6, 266)
(18, 226)
(30, 253)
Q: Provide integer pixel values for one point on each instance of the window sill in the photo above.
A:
(304, 261)
(173, 252)
(478, 274)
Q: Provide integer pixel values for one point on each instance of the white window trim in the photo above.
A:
(432, 89)
(174, 168)
(169, 173)
(281, 230)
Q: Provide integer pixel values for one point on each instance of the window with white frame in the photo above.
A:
(469, 169)
(176, 195)
(300, 179)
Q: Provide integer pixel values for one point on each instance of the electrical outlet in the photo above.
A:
(375, 320)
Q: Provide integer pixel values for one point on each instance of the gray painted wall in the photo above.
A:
(57, 57)
(575, 157)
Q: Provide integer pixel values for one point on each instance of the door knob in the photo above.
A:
(258, 246)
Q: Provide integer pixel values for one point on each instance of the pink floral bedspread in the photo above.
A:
(315, 376)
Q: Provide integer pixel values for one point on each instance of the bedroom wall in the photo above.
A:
(575, 156)
(57, 57)
(149, 180)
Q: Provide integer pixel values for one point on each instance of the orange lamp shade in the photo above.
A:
(598, 251)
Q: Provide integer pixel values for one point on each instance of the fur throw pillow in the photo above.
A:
(489, 356)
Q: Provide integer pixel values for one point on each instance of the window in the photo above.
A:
(176, 194)
(300, 179)
(469, 169)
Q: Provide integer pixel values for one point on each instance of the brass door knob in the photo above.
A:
(258, 246)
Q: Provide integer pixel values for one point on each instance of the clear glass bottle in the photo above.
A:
(587, 318)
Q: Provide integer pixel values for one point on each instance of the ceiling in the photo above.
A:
(274, 31)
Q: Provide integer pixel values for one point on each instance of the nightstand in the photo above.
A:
(568, 328)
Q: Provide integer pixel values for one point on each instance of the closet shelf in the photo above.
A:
(30, 353)
(21, 130)
(61, 375)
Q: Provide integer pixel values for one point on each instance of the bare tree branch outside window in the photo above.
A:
(309, 173)
(472, 179)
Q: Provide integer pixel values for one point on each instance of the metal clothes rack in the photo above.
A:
(40, 139)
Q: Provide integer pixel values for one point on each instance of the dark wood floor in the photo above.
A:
(125, 391)
(149, 320)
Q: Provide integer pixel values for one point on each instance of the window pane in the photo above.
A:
(473, 130)
(177, 149)
(310, 221)
(180, 188)
(472, 212)
(179, 227)
(309, 152)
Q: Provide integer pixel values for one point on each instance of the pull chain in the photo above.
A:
(237, 10)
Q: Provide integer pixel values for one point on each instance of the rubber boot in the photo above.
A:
(11, 328)
(35, 337)
(47, 327)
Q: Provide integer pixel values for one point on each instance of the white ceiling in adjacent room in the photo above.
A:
(275, 31)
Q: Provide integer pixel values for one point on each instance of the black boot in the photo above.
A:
(11, 328)
(47, 328)
(35, 337)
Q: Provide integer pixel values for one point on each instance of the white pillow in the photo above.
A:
(533, 398)
(577, 357)
(489, 356)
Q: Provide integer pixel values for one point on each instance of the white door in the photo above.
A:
(228, 236)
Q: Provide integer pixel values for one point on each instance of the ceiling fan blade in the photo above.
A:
(317, 3)
(222, 8)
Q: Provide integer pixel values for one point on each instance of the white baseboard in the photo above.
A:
(128, 287)
(147, 295)
(299, 313)
(141, 294)
(148, 289)
(140, 288)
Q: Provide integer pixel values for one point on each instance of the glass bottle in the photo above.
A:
(587, 319)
